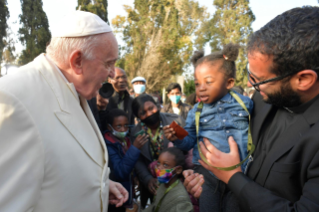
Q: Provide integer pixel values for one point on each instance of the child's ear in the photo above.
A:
(230, 83)
(179, 170)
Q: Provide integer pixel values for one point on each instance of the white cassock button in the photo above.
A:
(227, 131)
(224, 120)
(205, 120)
(240, 114)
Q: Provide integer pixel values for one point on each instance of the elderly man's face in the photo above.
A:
(120, 80)
(96, 71)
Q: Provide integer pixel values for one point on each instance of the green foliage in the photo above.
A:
(8, 56)
(34, 32)
(232, 23)
(4, 15)
(98, 7)
(159, 36)
(189, 87)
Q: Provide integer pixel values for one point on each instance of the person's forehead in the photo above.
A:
(120, 118)
(107, 48)
(259, 62)
(167, 157)
(119, 72)
(175, 90)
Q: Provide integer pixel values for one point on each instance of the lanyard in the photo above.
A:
(250, 145)
(166, 191)
(154, 138)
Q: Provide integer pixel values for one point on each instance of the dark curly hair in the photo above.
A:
(114, 113)
(179, 156)
(227, 56)
(292, 38)
(139, 101)
(172, 86)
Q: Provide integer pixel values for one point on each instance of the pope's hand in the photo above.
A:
(220, 159)
(117, 194)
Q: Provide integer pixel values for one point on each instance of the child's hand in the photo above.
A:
(152, 185)
(140, 140)
(169, 133)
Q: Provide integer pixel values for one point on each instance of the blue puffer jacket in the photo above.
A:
(121, 164)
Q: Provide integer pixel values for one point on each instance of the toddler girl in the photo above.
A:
(220, 116)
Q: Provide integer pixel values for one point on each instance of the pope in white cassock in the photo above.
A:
(52, 155)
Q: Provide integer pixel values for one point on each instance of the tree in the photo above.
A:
(232, 23)
(159, 38)
(98, 7)
(34, 32)
(8, 56)
(4, 15)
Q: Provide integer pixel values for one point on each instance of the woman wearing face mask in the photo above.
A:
(122, 154)
(144, 107)
(174, 93)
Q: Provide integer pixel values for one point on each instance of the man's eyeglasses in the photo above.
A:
(255, 84)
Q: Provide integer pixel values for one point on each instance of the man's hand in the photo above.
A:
(193, 182)
(169, 133)
(117, 194)
(152, 185)
(140, 140)
(220, 159)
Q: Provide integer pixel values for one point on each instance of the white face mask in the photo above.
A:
(139, 88)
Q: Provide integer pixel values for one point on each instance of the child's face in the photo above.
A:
(210, 83)
(166, 161)
(120, 124)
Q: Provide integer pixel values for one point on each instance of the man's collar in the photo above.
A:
(69, 84)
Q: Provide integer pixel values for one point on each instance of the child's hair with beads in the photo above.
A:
(227, 57)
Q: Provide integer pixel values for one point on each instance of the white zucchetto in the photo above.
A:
(79, 24)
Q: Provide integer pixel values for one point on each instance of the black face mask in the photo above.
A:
(152, 119)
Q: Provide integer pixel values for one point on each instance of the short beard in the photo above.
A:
(286, 97)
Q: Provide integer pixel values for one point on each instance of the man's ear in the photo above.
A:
(304, 80)
(76, 62)
(230, 83)
(179, 170)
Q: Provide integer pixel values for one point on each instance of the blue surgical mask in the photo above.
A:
(120, 135)
(139, 88)
(175, 98)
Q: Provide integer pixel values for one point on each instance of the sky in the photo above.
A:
(264, 11)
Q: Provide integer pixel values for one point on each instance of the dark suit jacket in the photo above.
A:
(114, 101)
(100, 116)
(288, 179)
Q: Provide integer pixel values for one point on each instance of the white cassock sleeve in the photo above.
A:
(21, 156)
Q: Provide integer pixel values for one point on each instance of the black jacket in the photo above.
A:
(288, 179)
(114, 101)
(184, 109)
